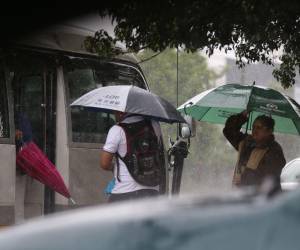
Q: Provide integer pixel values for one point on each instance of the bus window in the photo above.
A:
(28, 99)
(83, 76)
(4, 119)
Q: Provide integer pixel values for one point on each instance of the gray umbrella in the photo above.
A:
(129, 99)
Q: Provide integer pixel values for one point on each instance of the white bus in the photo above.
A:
(40, 77)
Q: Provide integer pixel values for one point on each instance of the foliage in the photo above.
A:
(252, 29)
(289, 143)
(102, 44)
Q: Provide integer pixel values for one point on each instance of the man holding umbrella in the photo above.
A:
(136, 140)
(259, 155)
(139, 168)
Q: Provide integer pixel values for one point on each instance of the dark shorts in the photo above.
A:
(143, 193)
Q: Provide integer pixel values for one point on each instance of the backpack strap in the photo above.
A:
(118, 156)
(118, 166)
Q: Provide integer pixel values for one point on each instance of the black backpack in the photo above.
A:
(144, 157)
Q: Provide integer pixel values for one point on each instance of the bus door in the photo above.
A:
(34, 90)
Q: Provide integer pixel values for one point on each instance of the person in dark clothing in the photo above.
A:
(260, 156)
(23, 130)
(23, 133)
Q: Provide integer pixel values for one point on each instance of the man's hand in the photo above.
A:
(246, 113)
(106, 160)
(19, 134)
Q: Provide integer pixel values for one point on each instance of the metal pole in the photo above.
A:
(177, 89)
(180, 151)
(49, 144)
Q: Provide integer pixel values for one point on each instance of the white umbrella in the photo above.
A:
(130, 99)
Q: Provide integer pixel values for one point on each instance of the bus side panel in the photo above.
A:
(7, 183)
(62, 149)
(34, 198)
(87, 180)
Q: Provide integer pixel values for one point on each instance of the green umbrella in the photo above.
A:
(217, 104)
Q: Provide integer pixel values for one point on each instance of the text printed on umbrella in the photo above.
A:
(109, 100)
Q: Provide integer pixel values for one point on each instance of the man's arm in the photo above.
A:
(110, 148)
(232, 128)
(106, 160)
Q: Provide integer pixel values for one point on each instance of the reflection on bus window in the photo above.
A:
(86, 75)
(28, 99)
(4, 120)
(33, 77)
(90, 126)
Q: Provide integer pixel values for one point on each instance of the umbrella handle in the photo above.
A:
(184, 108)
(249, 118)
(72, 201)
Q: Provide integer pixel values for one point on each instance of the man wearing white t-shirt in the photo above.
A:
(126, 187)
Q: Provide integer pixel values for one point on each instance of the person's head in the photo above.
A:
(119, 115)
(262, 128)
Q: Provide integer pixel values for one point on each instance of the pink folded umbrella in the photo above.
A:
(36, 164)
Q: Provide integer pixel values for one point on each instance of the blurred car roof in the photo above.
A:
(290, 175)
(240, 222)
